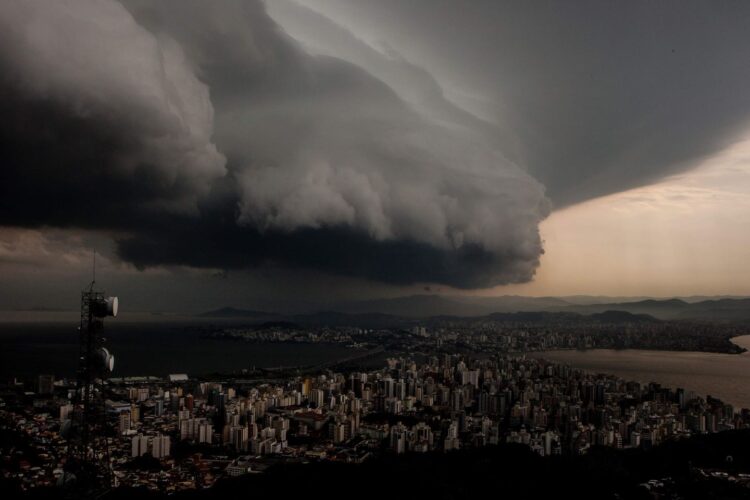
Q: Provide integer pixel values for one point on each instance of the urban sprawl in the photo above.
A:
(179, 432)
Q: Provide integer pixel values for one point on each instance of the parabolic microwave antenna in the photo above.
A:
(107, 360)
(103, 307)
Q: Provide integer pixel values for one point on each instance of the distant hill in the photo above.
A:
(232, 312)
(566, 317)
(675, 309)
(379, 320)
(384, 313)
(423, 306)
(719, 310)
(363, 320)
(621, 317)
(600, 299)
(665, 309)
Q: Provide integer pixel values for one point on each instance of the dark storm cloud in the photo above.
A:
(602, 96)
(341, 251)
(205, 136)
(92, 134)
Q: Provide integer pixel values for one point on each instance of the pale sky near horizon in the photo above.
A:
(686, 235)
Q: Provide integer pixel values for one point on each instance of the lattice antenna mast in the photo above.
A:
(88, 449)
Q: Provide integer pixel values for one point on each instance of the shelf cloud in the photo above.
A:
(591, 97)
(202, 134)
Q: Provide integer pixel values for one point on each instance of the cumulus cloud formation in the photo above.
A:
(202, 134)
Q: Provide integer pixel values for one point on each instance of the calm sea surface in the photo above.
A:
(725, 376)
(158, 348)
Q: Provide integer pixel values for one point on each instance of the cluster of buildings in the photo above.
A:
(510, 333)
(179, 433)
(293, 334)
(609, 330)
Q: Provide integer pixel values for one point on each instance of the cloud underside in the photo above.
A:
(342, 251)
(202, 135)
(599, 97)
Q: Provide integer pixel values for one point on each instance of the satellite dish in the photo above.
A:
(112, 305)
(105, 307)
(107, 360)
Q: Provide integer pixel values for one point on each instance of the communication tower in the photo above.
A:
(88, 468)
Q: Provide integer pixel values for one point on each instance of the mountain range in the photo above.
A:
(421, 306)
(416, 307)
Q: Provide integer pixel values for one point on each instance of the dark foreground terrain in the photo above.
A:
(704, 467)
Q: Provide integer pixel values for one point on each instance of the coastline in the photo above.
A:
(722, 375)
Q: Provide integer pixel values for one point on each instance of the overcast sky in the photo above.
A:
(307, 151)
